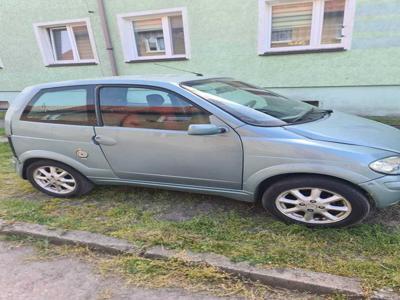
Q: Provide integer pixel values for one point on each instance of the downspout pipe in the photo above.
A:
(107, 37)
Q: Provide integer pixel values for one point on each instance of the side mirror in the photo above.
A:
(205, 129)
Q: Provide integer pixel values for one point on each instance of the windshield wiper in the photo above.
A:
(309, 112)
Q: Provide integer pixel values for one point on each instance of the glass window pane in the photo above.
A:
(249, 103)
(291, 24)
(177, 35)
(149, 37)
(148, 108)
(333, 21)
(83, 42)
(68, 106)
(62, 44)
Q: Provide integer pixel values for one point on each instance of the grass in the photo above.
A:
(394, 121)
(2, 115)
(238, 230)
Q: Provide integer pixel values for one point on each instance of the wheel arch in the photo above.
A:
(263, 185)
(30, 157)
(32, 160)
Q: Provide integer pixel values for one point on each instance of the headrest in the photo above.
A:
(113, 96)
(155, 100)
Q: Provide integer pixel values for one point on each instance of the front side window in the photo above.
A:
(154, 35)
(305, 25)
(252, 104)
(140, 107)
(73, 106)
(68, 43)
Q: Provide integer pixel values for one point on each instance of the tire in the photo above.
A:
(71, 183)
(296, 200)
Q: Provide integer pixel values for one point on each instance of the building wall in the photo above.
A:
(223, 39)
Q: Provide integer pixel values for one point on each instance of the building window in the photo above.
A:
(305, 25)
(67, 42)
(154, 35)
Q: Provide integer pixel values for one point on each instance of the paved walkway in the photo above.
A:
(67, 278)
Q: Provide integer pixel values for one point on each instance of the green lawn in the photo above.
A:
(2, 114)
(394, 121)
(238, 230)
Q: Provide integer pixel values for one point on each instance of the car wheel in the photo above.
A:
(57, 179)
(316, 202)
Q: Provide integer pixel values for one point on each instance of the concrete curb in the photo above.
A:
(57, 236)
(385, 294)
(292, 279)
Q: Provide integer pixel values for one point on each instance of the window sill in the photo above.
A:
(157, 59)
(304, 51)
(72, 64)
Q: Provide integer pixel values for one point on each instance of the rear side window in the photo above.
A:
(150, 108)
(73, 106)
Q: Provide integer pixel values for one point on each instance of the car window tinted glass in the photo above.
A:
(63, 106)
(148, 108)
(251, 104)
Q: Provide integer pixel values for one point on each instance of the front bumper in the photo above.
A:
(385, 191)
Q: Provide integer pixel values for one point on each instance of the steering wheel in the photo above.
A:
(251, 103)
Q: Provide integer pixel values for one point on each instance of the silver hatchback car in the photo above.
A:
(219, 136)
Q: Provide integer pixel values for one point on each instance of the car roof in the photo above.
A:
(131, 79)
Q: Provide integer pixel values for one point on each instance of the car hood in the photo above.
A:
(348, 129)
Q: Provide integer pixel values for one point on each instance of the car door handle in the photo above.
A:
(104, 140)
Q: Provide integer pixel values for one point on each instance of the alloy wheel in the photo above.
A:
(313, 205)
(55, 180)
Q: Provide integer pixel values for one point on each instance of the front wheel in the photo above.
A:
(316, 202)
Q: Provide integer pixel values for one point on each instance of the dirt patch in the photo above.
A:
(389, 217)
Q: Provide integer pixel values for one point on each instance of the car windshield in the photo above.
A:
(252, 104)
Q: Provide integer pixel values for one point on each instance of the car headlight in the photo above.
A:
(389, 165)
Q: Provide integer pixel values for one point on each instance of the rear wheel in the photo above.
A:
(316, 202)
(57, 179)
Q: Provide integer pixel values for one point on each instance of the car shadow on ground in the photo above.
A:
(182, 206)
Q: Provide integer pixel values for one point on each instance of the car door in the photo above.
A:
(58, 123)
(145, 138)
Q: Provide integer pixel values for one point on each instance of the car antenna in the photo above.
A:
(183, 70)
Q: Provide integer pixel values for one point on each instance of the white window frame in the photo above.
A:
(157, 44)
(265, 27)
(128, 40)
(46, 44)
